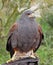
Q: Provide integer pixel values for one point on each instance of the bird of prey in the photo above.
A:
(25, 34)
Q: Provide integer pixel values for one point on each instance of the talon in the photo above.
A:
(36, 55)
(13, 58)
(9, 61)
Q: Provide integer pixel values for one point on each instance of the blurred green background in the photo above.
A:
(10, 11)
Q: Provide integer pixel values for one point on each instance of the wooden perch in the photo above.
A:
(25, 61)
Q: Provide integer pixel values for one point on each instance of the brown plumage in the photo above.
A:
(25, 34)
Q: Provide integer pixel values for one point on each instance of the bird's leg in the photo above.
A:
(33, 55)
(13, 57)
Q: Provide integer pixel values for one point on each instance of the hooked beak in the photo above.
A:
(31, 15)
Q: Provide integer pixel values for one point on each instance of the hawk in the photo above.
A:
(25, 34)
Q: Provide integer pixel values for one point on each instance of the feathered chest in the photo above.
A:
(27, 32)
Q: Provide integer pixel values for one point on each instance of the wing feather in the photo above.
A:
(12, 29)
(41, 36)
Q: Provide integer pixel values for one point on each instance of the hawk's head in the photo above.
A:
(28, 14)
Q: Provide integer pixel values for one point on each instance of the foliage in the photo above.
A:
(45, 52)
(10, 11)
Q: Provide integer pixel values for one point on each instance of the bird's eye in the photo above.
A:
(28, 13)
